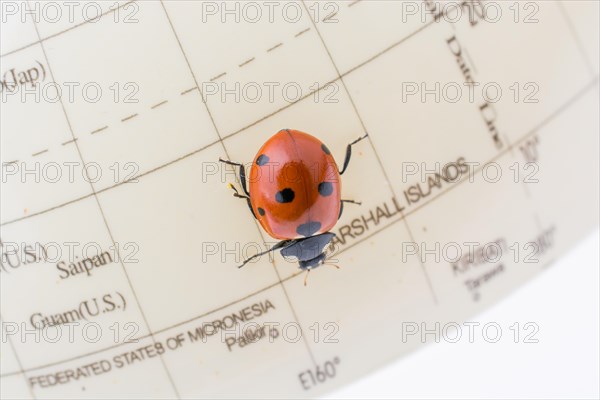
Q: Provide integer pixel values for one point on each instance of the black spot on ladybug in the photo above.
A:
(261, 211)
(309, 228)
(325, 188)
(285, 196)
(262, 160)
(325, 149)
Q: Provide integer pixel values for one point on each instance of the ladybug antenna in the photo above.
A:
(247, 260)
(278, 246)
(333, 265)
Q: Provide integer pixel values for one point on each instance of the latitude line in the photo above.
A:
(238, 131)
(127, 181)
(502, 153)
(450, 188)
(143, 315)
(532, 131)
(198, 317)
(159, 331)
(510, 146)
(85, 22)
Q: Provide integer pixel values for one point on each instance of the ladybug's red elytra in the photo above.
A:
(295, 194)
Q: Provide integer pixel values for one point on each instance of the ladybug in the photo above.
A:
(295, 194)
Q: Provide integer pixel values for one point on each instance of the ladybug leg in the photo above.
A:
(282, 244)
(241, 196)
(349, 153)
(306, 276)
(346, 201)
(352, 201)
(243, 183)
(237, 194)
(242, 174)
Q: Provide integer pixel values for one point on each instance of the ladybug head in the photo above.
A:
(309, 251)
(312, 263)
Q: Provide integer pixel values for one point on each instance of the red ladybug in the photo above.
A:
(295, 193)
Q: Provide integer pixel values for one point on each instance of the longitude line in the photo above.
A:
(159, 331)
(103, 215)
(500, 154)
(18, 359)
(85, 22)
(228, 135)
(411, 236)
(510, 146)
(545, 121)
(576, 38)
(312, 357)
(389, 48)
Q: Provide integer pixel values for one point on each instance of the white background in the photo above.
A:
(563, 301)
